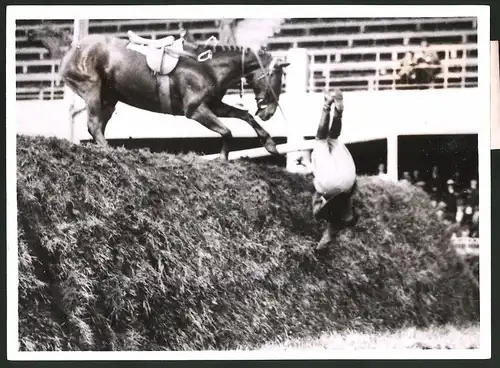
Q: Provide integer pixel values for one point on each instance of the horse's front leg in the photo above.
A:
(228, 111)
(207, 118)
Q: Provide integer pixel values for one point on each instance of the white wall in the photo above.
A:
(368, 115)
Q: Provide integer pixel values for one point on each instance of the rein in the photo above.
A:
(266, 75)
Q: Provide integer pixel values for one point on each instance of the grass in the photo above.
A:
(129, 250)
(435, 337)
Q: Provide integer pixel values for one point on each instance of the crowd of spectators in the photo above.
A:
(419, 68)
(455, 200)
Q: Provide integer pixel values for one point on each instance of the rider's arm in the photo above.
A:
(306, 163)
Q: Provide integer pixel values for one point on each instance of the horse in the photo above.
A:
(103, 70)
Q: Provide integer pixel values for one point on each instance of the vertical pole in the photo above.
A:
(52, 80)
(446, 63)
(297, 79)
(80, 30)
(392, 156)
(495, 96)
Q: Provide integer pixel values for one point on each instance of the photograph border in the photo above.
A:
(248, 11)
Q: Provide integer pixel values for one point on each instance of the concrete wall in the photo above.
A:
(368, 115)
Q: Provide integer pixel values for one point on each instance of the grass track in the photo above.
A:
(436, 337)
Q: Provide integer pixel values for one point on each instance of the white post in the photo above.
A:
(296, 88)
(392, 156)
(495, 96)
(80, 30)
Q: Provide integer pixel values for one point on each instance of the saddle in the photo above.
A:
(162, 55)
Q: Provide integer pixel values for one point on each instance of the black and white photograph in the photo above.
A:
(495, 95)
(249, 182)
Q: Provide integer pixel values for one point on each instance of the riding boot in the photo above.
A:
(350, 216)
(328, 236)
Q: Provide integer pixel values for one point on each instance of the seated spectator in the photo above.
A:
(187, 36)
(427, 64)
(407, 72)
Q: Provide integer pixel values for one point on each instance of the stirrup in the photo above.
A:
(205, 55)
(211, 40)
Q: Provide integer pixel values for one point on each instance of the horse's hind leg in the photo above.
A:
(208, 119)
(95, 121)
(98, 111)
(108, 107)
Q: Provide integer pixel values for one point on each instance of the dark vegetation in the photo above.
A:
(129, 250)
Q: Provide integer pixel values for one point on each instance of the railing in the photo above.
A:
(285, 42)
(327, 69)
(364, 23)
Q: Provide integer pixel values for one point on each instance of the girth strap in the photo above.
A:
(163, 85)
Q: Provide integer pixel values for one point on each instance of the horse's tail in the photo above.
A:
(76, 66)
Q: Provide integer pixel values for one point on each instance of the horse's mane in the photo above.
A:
(216, 48)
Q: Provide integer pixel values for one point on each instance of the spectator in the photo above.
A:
(474, 194)
(450, 200)
(434, 185)
(471, 206)
(440, 210)
(417, 180)
(381, 172)
(227, 31)
(407, 71)
(458, 181)
(406, 177)
(427, 64)
(475, 225)
(186, 35)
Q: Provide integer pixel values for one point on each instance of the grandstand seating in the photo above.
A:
(355, 54)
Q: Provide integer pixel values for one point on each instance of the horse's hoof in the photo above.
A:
(270, 146)
(224, 157)
(322, 246)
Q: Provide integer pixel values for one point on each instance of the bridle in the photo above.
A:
(266, 73)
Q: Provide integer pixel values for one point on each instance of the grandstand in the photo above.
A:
(354, 54)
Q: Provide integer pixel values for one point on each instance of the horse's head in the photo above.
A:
(266, 84)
